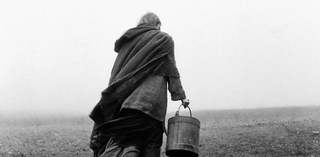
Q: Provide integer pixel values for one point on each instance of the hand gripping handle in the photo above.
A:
(177, 113)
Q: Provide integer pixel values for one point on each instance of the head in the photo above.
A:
(150, 18)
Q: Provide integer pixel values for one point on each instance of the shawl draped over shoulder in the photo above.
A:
(142, 51)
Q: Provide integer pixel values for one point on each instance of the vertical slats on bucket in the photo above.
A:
(183, 136)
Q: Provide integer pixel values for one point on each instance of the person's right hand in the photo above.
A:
(185, 103)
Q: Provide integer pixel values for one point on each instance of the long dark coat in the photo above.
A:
(146, 54)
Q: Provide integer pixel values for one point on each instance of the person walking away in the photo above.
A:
(129, 118)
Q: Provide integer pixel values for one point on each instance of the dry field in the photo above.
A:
(270, 132)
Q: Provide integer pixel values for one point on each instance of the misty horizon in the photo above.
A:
(57, 56)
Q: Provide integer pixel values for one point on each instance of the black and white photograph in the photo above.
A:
(151, 78)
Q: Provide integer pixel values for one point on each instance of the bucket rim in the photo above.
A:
(184, 117)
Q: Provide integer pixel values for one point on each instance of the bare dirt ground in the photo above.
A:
(271, 132)
(262, 132)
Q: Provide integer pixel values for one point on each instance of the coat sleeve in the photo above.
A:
(175, 89)
(174, 83)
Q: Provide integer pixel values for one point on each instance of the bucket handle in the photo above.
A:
(177, 113)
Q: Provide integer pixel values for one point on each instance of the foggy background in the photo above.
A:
(56, 56)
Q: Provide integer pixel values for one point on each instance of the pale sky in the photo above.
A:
(57, 55)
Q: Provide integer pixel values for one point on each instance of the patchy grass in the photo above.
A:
(261, 132)
(46, 137)
(254, 132)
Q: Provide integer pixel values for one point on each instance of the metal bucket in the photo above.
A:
(183, 136)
